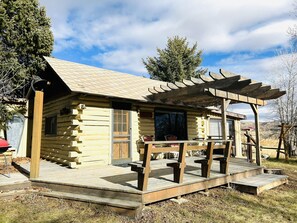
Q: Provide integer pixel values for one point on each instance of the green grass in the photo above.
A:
(222, 205)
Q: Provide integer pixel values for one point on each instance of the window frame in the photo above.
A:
(171, 111)
(50, 127)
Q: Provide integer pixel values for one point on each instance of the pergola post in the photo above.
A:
(257, 126)
(224, 106)
(36, 136)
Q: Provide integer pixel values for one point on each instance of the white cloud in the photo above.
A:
(123, 32)
(120, 33)
(266, 113)
(123, 60)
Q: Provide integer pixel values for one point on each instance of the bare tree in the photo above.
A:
(12, 80)
(293, 29)
(286, 106)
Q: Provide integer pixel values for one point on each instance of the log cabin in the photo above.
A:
(96, 116)
(91, 116)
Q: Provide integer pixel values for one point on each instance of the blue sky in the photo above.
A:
(237, 35)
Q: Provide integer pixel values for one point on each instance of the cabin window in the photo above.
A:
(51, 125)
(170, 123)
(215, 129)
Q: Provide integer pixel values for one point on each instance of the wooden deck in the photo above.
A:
(122, 179)
(116, 186)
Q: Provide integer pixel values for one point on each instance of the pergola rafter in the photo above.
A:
(188, 90)
(218, 90)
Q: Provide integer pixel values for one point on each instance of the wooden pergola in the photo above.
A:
(218, 90)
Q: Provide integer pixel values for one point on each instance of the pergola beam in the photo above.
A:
(239, 85)
(273, 93)
(262, 90)
(234, 97)
(250, 88)
(181, 90)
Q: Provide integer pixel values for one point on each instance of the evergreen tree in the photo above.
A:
(176, 62)
(25, 37)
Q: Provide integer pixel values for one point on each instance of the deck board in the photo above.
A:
(122, 178)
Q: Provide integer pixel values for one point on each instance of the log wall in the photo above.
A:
(196, 123)
(147, 123)
(93, 122)
(84, 135)
(58, 147)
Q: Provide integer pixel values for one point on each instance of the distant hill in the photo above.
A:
(268, 130)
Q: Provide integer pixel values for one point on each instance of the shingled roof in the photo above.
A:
(208, 90)
(92, 80)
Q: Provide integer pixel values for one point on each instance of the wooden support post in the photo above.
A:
(36, 135)
(257, 126)
(143, 177)
(182, 161)
(224, 162)
(206, 163)
(179, 166)
(280, 140)
(249, 147)
(224, 106)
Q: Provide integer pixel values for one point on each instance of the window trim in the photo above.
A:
(50, 129)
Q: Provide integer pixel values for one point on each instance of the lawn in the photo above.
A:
(222, 205)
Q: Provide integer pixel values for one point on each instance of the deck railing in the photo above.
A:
(179, 165)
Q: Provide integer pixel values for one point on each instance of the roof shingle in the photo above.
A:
(92, 80)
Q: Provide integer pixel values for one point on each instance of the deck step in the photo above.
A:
(259, 183)
(15, 186)
(14, 193)
(124, 207)
(88, 190)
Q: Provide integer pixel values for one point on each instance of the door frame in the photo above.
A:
(125, 160)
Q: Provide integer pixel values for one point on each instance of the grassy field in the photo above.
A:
(222, 205)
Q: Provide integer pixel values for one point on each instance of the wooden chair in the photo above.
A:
(172, 138)
(147, 138)
(206, 163)
(224, 160)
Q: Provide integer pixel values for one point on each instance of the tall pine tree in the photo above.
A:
(25, 37)
(176, 62)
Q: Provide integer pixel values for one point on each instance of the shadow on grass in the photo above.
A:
(290, 161)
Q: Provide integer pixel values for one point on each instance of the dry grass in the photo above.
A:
(223, 205)
(33, 208)
(277, 205)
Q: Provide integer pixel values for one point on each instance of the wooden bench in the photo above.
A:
(206, 163)
(178, 166)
